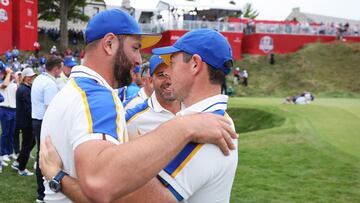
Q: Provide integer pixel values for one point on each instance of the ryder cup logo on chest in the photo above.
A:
(266, 44)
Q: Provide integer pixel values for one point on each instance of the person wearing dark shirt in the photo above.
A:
(24, 122)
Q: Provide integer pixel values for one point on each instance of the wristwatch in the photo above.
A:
(55, 182)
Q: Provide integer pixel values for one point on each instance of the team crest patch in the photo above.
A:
(3, 15)
(266, 44)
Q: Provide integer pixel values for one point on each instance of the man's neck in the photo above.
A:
(101, 70)
(198, 94)
(50, 73)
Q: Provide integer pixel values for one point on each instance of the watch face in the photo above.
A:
(54, 186)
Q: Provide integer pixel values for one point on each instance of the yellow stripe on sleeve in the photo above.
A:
(188, 158)
(86, 105)
(138, 114)
(117, 118)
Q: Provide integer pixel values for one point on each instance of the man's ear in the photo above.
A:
(109, 44)
(196, 64)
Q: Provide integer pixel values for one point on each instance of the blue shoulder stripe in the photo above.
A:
(127, 101)
(121, 93)
(219, 112)
(131, 113)
(171, 188)
(175, 166)
(101, 105)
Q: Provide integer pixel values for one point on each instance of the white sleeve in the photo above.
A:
(132, 128)
(202, 174)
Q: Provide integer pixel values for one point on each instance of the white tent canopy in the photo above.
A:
(198, 4)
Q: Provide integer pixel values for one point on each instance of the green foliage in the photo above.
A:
(249, 11)
(50, 10)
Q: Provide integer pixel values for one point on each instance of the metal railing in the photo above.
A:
(190, 25)
(291, 29)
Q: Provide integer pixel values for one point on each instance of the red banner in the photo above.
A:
(262, 44)
(169, 37)
(25, 24)
(5, 25)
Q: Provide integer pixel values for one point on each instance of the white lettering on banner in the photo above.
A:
(174, 37)
(5, 2)
(29, 1)
(29, 26)
(266, 44)
(3, 15)
(237, 40)
(29, 12)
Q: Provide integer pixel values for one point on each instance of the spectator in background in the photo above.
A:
(135, 85)
(69, 62)
(67, 52)
(8, 55)
(236, 76)
(15, 53)
(43, 90)
(24, 122)
(245, 78)
(36, 48)
(53, 50)
(272, 58)
(8, 89)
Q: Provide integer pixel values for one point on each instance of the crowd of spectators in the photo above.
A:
(76, 36)
(338, 30)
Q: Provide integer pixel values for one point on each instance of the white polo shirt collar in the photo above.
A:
(83, 71)
(142, 93)
(155, 105)
(211, 104)
(50, 76)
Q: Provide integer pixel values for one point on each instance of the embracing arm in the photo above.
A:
(104, 177)
(50, 164)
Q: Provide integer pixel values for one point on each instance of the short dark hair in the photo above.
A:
(216, 76)
(52, 62)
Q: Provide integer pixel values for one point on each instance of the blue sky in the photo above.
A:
(280, 9)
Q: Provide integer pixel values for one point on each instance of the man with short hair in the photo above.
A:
(69, 62)
(93, 150)
(160, 107)
(43, 90)
(199, 62)
(147, 79)
(24, 121)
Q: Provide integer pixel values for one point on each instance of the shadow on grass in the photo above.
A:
(251, 119)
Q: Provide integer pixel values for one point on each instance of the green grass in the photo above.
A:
(314, 156)
(287, 153)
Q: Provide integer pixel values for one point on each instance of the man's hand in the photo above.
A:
(8, 70)
(210, 128)
(49, 160)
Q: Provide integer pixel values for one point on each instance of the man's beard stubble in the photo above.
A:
(122, 68)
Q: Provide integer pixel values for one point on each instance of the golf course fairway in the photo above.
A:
(297, 153)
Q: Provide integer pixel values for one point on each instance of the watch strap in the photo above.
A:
(59, 176)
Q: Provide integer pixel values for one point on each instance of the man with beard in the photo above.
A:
(87, 125)
(160, 107)
(147, 79)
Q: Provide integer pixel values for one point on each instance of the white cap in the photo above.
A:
(28, 72)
